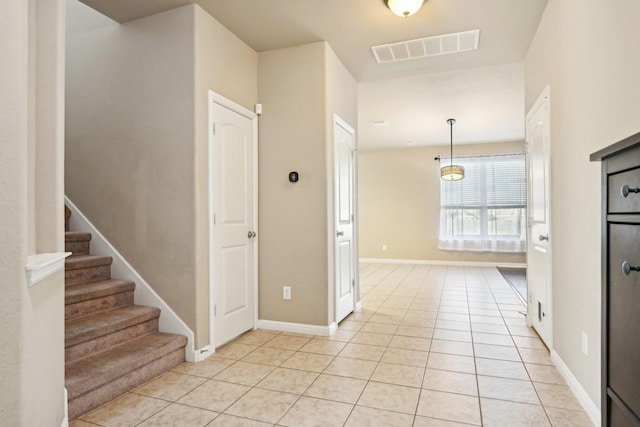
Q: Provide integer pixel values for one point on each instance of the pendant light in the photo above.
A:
(452, 172)
(404, 8)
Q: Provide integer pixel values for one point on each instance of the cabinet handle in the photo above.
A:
(625, 190)
(628, 268)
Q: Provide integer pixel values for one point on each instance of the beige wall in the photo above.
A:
(136, 140)
(300, 89)
(293, 217)
(227, 66)
(31, 211)
(586, 51)
(399, 196)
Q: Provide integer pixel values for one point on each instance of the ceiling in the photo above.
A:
(483, 89)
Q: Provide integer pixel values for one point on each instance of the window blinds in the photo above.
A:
(486, 210)
(494, 181)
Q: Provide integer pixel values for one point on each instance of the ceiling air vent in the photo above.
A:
(428, 46)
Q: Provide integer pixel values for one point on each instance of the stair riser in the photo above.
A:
(113, 339)
(67, 215)
(105, 392)
(77, 248)
(97, 305)
(84, 275)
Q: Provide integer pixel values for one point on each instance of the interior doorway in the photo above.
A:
(344, 201)
(539, 239)
(233, 248)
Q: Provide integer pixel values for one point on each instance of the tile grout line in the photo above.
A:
(398, 295)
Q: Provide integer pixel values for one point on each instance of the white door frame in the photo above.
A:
(543, 100)
(337, 120)
(227, 103)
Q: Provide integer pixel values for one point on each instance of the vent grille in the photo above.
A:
(428, 46)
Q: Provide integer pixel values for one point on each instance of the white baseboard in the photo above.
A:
(65, 420)
(442, 262)
(169, 322)
(298, 328)
(581, 394)
(202, 353)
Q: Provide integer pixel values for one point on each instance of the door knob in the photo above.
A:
(251, 234)
(543, 237)
(340, 233)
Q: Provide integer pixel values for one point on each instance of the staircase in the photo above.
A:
(111, 345)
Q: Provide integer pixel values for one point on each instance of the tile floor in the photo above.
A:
(432, 346)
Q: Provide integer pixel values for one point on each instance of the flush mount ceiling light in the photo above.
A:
(451, 172)
(404, 8)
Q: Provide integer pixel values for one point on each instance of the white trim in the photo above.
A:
(202, 353)
(546, 330)
(40, 266)
(590, 407)
(144, 294)
(333, 218)
(358, 306)
(442, 262)
(298, 328)
(213, 97)
(65, 420)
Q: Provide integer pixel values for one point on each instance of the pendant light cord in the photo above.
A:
(451, 122)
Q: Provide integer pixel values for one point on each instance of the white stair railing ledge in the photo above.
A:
(42, 265)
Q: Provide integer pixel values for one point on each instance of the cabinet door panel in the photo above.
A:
(624, 314)
(618, 417)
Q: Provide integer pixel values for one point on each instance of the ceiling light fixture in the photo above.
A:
(404, 8)
(451, 172)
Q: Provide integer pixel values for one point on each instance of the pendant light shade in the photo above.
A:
(451, 172)
(404, 8)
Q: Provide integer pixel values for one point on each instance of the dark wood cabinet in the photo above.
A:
(620, 282)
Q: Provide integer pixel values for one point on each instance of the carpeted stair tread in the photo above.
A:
(111, 345)
(91, 372)
(76, 236)
(78, 243)
(76, 262)
(100, 324)
(91, 290)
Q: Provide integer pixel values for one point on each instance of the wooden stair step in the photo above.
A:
(91, 334)
(94, 297)
(97, 379)
(86, 268)
(77, 242)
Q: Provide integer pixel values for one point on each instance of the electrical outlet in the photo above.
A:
(286, 292)
(585, 343)
(384, 247)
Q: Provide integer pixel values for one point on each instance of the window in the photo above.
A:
(485, 211)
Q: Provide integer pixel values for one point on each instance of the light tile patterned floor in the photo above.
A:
(432, 346)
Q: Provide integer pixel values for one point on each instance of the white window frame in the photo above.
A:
(483, 242)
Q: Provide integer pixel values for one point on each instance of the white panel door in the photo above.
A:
(539, 243)
(232, 198)
(344, 144)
